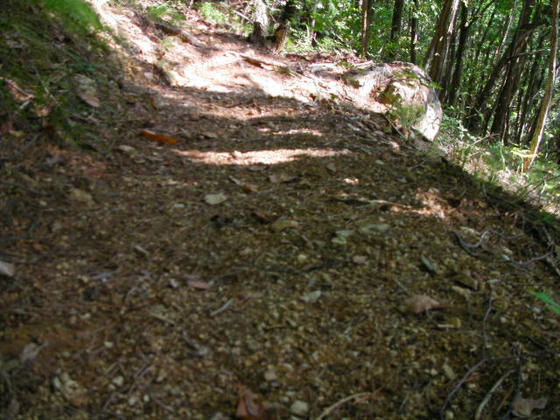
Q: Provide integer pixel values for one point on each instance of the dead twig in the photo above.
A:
(183, 35)
(484, 402)
(359, 395)
(222, 308)
(464, 379)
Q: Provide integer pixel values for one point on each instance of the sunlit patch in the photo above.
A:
(432, 202)
(352, 181)
(302, 131)
(265, 157)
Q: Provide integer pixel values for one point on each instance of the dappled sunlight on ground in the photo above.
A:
(266, 157)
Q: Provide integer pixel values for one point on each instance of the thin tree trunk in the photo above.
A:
(260, 23)
(367, 11)
(413, 32)
(517, 45)
(395, 28)
(532, 83)
(511, 82)
(545, 105)
(438, 52)
(454, 86)
(474, 79)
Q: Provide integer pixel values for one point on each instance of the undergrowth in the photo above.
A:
(46, 44)
(502, 165)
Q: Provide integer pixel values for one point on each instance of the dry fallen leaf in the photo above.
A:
(200, 285)
(359, 259)
(264, 217)
(523, 407)
(158, 137)
(281, 178)
(248, 405)
(249, 188)
(214, 199)
(282, 224)
(7, 269)
(421, 303)
(87, 90)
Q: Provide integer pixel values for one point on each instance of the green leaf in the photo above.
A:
(548, 300)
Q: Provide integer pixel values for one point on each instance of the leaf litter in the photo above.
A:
(303, 258)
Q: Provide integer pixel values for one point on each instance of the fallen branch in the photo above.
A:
(337, 404)
(260, 61)
(183, 35)
(478, 412)
(222, 308)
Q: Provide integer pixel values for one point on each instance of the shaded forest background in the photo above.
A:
(492, 62)
(489, 59)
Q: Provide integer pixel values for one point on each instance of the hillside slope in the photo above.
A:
(189, 231)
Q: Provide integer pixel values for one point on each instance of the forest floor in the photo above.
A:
(232, 244)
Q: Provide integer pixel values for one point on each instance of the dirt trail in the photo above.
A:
(280, 247)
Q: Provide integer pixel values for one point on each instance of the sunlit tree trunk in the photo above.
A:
(516, 46)
(260, 22)
(438, 52)
(413, 31)
(511, 82)
(367, 12)
(451, 89)
(545, 106)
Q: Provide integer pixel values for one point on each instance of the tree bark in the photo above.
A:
(413, 32)
(451, 90)
(367, 12)
(438, 52)
(395, 29)
(260, 23)
(516, 46)
(545, 105)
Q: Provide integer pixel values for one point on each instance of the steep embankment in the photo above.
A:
(180, 248)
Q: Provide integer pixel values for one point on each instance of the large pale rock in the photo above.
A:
(401, 90)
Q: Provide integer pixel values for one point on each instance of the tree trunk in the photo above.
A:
(545, 105)
(413, 32)
(474, 79)
(438, 52)
(367, 11)
(283, 29)
(517, 44)
(395, 29)
(260, 23)
(511, 82)
(527, 98)
(452, 89)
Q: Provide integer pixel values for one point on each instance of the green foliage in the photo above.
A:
(165, 12)
(211, 12)
(77, 15)
(47, 42)
(551, 303)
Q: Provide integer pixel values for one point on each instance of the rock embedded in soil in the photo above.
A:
(299, 408)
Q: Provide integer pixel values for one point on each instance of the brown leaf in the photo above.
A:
(158, 137)
(248, 405)
(359, 259)
(281, 178)
(523, 407)
(249, 188)
(264, 218)
(199, 284)
(7, 269)
(421, 303)
(87, 90)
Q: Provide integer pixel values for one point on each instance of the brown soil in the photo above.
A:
(271, 260)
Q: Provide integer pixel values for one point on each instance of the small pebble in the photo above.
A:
(299, 408)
